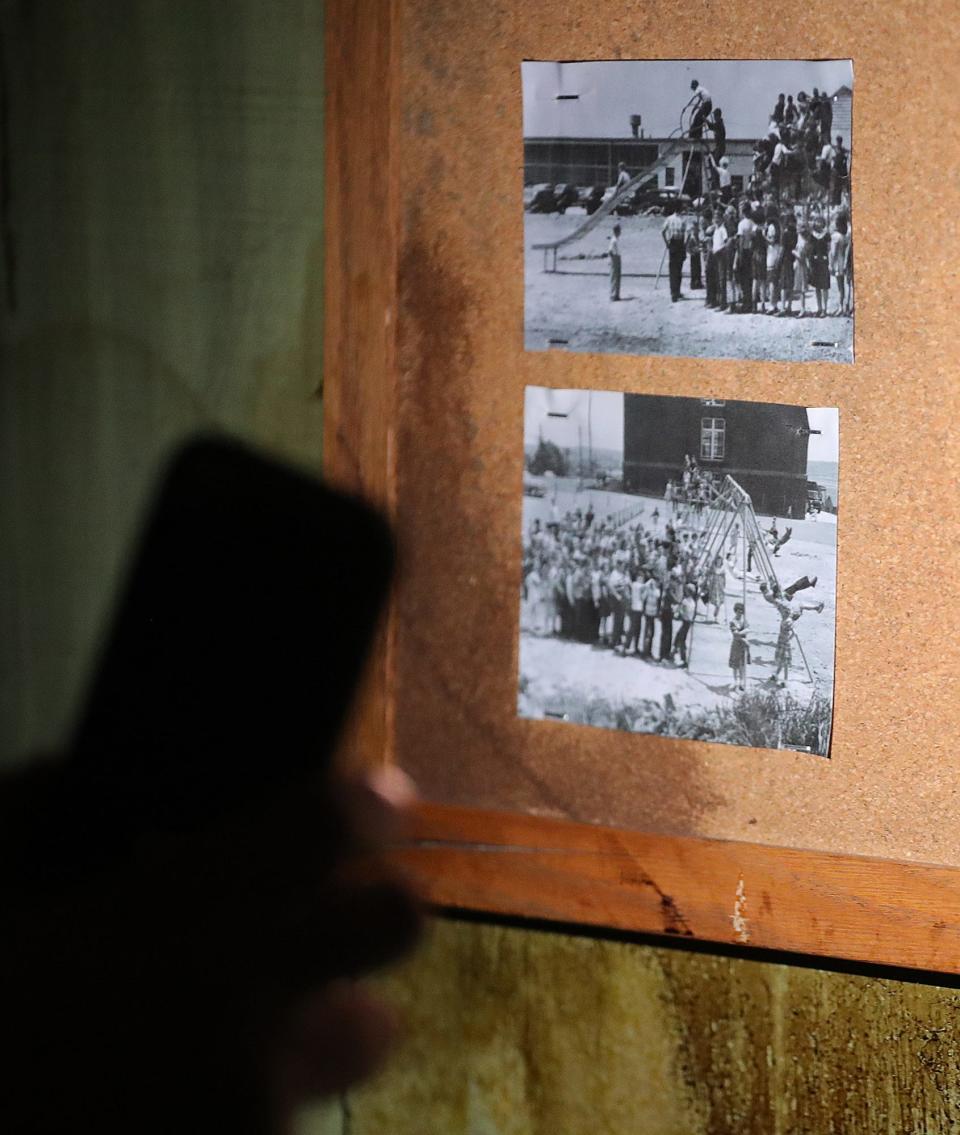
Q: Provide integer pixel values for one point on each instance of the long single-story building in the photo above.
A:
(595, 161)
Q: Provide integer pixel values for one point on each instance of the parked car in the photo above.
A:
(642, 200)
(541, 198)
(591, 198)
(566, 195)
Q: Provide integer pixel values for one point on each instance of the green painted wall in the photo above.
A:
(162, 268)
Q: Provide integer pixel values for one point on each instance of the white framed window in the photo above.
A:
(713, 439)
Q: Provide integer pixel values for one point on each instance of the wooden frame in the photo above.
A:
(842, 906)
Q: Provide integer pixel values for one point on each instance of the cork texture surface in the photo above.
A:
(890, 787)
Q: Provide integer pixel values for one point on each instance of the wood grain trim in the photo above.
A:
(361, 211)
(879, 911)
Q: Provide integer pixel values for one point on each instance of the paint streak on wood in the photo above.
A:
(741, 927)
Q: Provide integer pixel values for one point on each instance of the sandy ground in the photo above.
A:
(573, 304)
(551, 668)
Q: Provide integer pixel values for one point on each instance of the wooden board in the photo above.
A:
(841, 906)
(425, 373)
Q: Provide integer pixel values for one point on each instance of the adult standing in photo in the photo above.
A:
(701, 104)
(694, 238)
(674, 233)
(651, 606)
(613, 252)
(719, 129)
(839, 259)
(826, 116)
(840, 172)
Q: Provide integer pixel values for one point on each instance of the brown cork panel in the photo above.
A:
(890, 787)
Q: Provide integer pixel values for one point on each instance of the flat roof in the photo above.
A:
(629, 141)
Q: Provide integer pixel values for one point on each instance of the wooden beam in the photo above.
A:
(878, 911)
(362, 240)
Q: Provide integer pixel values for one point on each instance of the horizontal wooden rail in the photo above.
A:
(873, 910)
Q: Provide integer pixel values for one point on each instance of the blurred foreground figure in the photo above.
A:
(188, 895)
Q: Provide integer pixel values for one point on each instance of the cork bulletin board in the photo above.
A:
(853, 856)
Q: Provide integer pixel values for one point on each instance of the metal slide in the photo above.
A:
(608, 206)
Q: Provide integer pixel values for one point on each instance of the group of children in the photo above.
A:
(637, 590)
(798, 150)
(761, 259)
(796, 154)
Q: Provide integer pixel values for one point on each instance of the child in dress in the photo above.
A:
(716, 586)
(788, 243)
(819, 258)
(774, 251)
(800, 261)
(739, 647)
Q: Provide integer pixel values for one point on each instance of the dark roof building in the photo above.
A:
(762, 445)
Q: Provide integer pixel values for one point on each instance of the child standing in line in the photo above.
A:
(632, 645)
(694, 242)
(800, 257)
(774, 252)
(759, 263)
(819, 257)
(788, 242)
(686, 612)
(739, 647)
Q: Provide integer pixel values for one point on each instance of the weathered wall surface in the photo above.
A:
(162, 269)
(520, 1032)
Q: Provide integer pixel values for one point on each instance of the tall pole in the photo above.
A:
(590, 433)
(743, 554)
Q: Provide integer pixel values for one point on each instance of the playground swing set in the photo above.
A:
(729, 511)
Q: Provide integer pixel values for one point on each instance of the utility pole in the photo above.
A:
(590, 434)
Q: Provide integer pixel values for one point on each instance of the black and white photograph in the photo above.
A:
(680, 566)
(697, 208)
